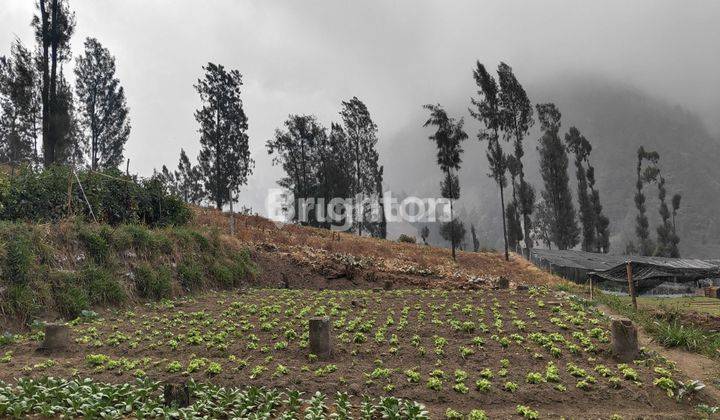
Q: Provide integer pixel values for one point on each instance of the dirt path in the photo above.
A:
(695, 366)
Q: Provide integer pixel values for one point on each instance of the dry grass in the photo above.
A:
(314, 245)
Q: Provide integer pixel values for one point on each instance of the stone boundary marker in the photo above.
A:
(320, 344)
(57, 337)
(624, 339)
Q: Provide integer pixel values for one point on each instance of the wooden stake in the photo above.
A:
(631, 285)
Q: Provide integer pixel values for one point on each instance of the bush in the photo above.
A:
(406, 239)
(190, 275)
(19, 300)
(222, 274)
(18, 260)
(115, 198)
(95, 243)
(71, 301)
(153, 284)
(101, 286)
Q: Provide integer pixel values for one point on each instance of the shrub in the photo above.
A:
(101, 285)
(221, 274)
(19, 300)
(95, 244)
(71, 301)
(18, 260)
(115, 198)
(141, 237)
(190, 274)
(406, 239)
(153, 284)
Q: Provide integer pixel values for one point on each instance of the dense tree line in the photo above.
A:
(341, 162)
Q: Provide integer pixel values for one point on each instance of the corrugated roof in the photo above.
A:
(648, 272)
(596, 262)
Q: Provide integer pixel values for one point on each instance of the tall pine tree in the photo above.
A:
(189, 180)
(296, 149)
(581, 148)
(105, 123)
(69, 146)
(644, 175)
(361, 134)
(602, 223)
(448, 136)
(19, 107)
(487, 111)
(553, 169)
(54, 26)
(224, 158)
(517, 119)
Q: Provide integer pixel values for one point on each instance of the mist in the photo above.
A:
(306, 57)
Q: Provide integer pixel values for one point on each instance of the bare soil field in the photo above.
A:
(447, 349)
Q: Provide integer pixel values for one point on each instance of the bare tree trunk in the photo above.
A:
(452, 230)
(527, 223)
(232, 216)
(52, 94)
(45, 95)
(502, 203)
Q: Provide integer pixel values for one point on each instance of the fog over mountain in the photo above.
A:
(617, 119)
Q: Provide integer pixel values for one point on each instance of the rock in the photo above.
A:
(388, 285)
(267, 247)
(57, 337)
(624, 340)
(320, 344)
(522, 287)
(502, 283)
(177, 395)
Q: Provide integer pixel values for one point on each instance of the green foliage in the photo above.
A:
(190, 274)
(18, 260)
(222, 274)
(20, 301)
(101, 285)
(41, 196)
(54, 398)
(151, 283)
(96, 243)
(71, 301)
(44, 269)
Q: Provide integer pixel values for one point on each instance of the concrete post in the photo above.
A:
(624, 340)
(57, 337)
(320, 344)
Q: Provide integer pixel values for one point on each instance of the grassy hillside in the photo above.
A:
(62, 269)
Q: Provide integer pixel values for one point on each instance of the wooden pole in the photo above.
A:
(631, 285)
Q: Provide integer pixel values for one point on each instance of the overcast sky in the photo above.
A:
(307, 56)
